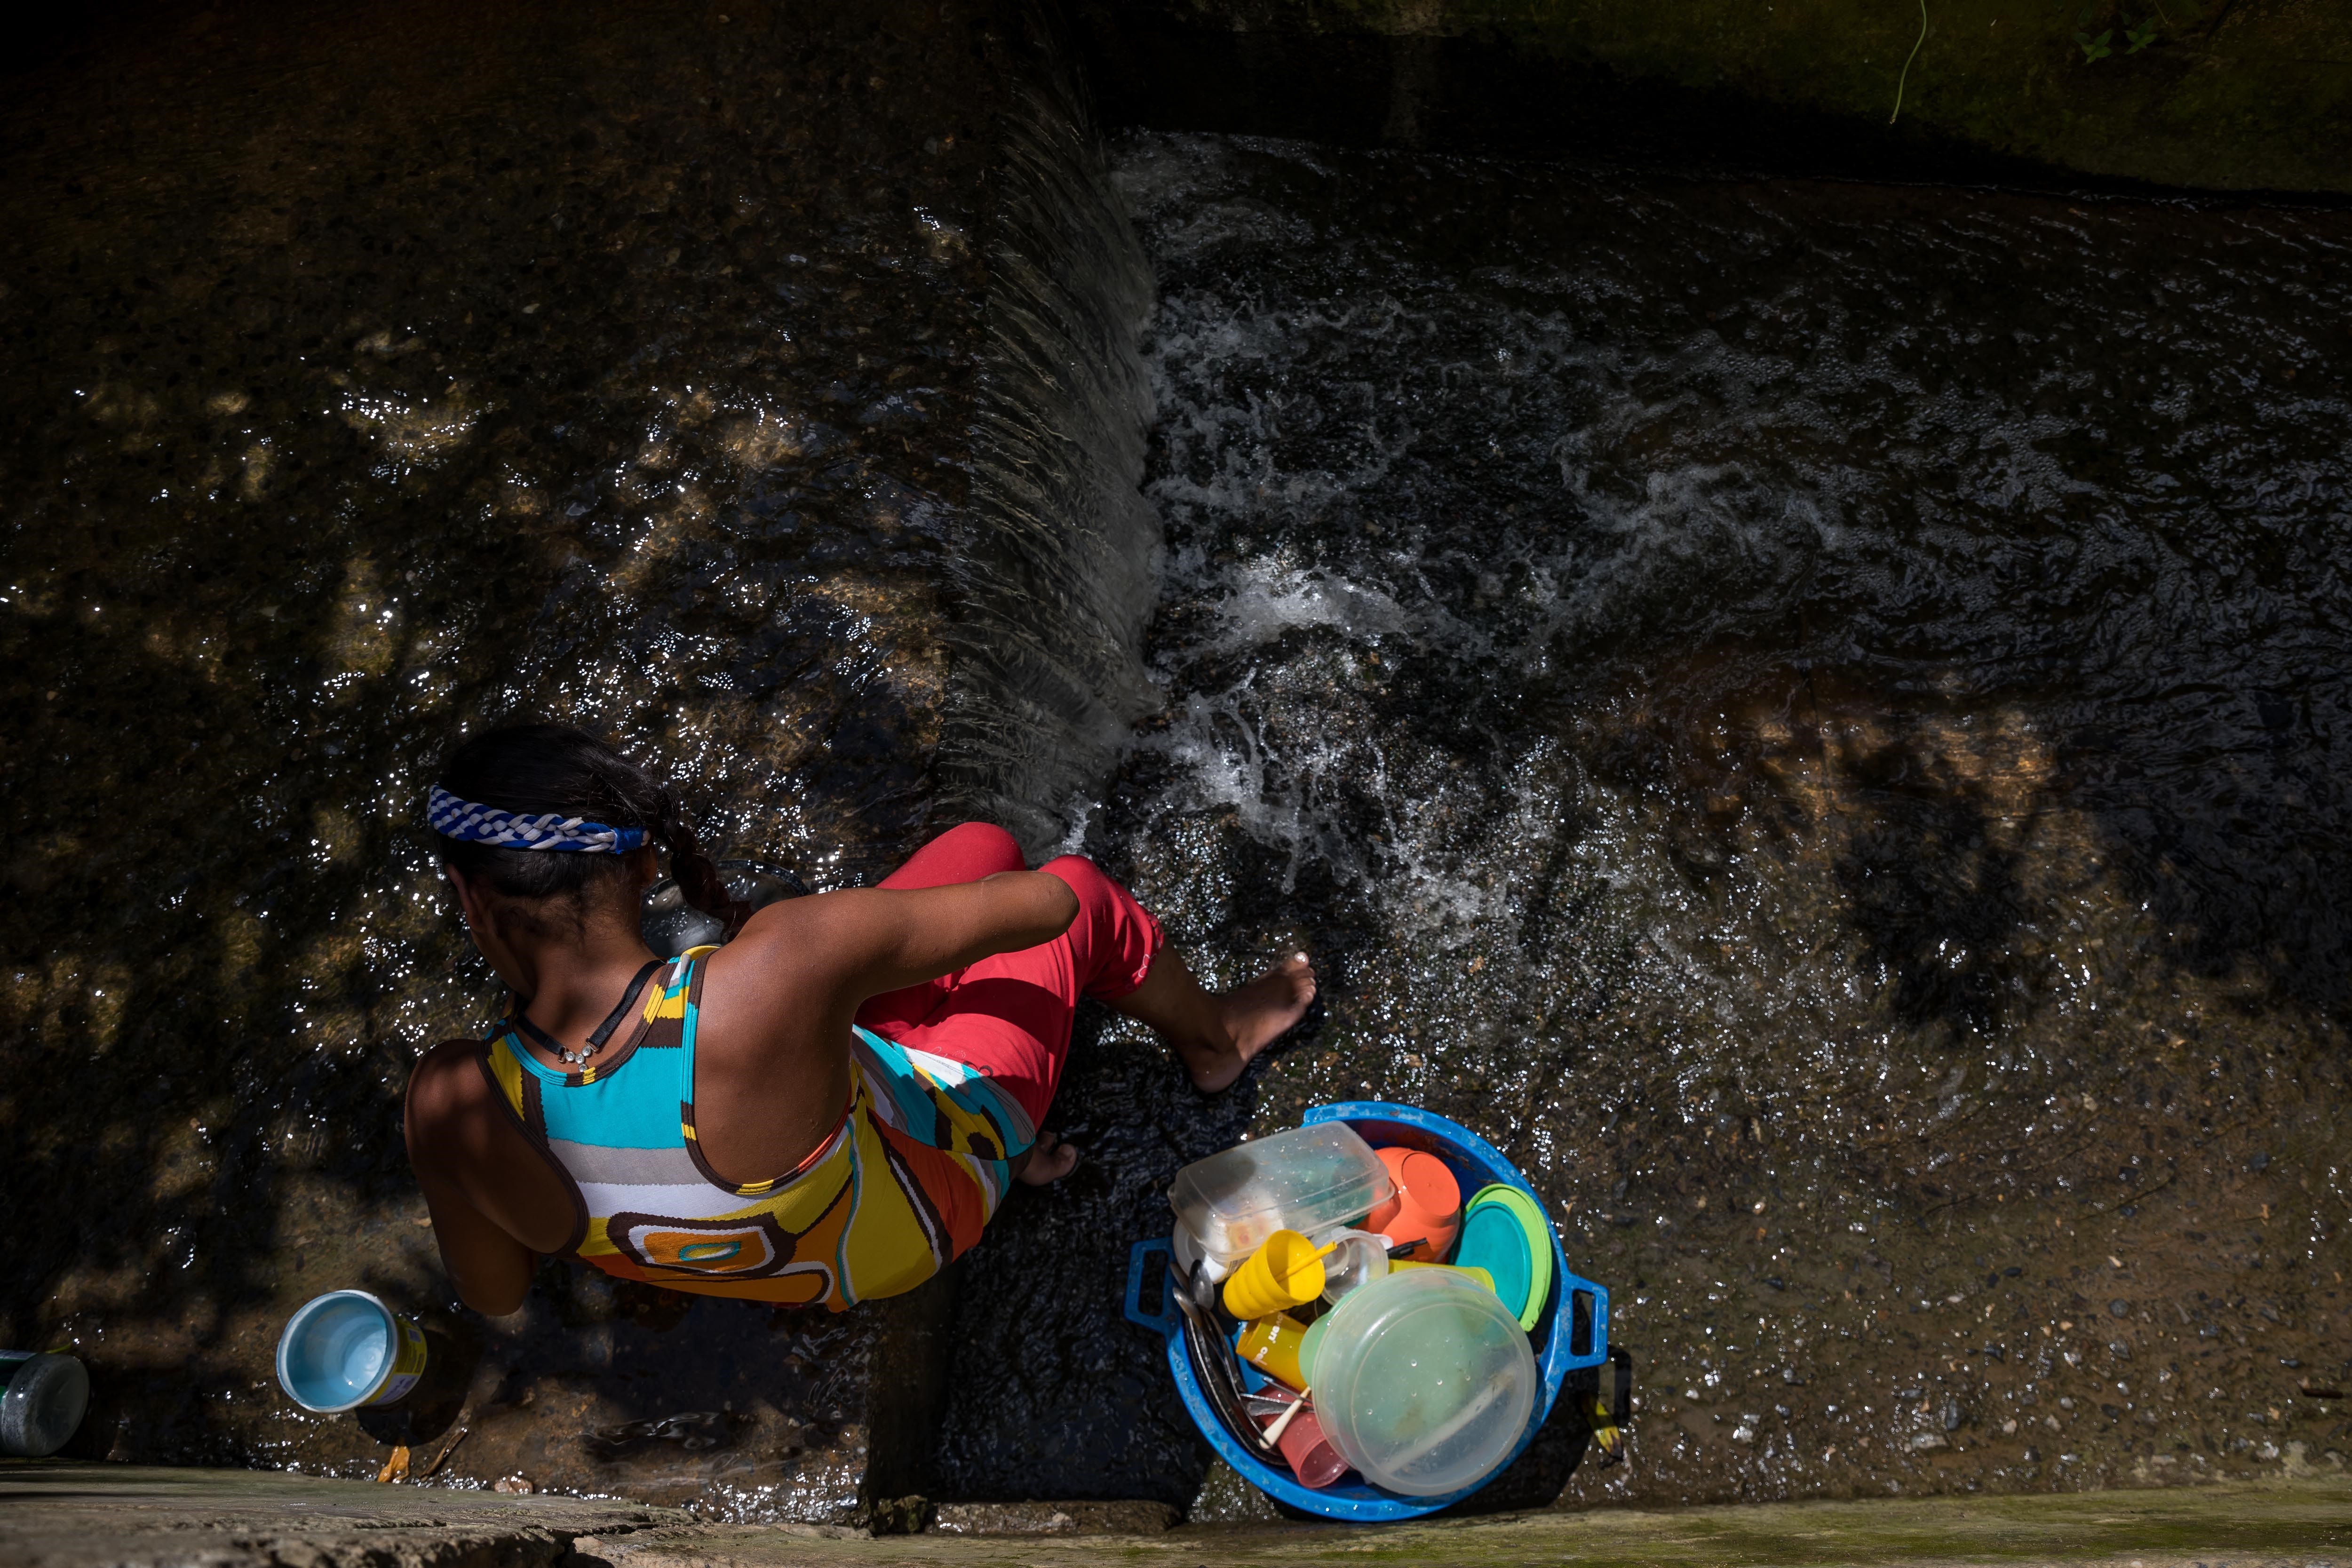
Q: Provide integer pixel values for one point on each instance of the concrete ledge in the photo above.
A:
(1130, 1518)
(75, 1515)
(60, 1515)
(2239, 1525)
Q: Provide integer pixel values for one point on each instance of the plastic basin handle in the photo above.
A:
(1161, 1320)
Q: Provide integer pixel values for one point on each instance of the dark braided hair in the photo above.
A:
(534, 768)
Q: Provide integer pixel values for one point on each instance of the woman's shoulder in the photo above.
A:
(448, 1083)
(814, 939)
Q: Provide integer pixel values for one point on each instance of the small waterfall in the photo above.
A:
(1060, 568)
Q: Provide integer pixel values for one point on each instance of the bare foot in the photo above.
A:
(1216, 1036)
(1047, 1161)
(1249, 1020)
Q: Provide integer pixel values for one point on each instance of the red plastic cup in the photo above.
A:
(1307, 1452)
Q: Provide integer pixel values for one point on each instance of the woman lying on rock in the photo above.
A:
(826, 1109)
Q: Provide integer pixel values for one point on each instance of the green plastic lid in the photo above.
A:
(1506, 1234)
(1310, 1343)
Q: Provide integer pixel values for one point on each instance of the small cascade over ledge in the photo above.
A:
(1059, 569)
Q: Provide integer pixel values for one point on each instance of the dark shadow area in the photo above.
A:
(1055, 1395)
(350, 406)
(1537, 1478)
(610, 1387)
(433, 1406)
(1482, 96)
(908, 1385)
(39, 35)
(1171, 67)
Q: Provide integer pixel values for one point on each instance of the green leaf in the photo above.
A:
(2141, 34)
(2096, 48)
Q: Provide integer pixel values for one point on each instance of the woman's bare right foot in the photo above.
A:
(1253, 1018)
(1217, 1035)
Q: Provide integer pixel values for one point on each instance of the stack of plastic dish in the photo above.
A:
(1506, 1236)
(1424, 1382)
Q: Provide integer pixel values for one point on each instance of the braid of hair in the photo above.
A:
(697, 875)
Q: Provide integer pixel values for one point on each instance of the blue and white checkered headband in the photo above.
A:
(462, 819)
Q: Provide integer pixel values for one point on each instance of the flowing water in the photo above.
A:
(1810, 714)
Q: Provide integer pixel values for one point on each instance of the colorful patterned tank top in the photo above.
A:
(916, 1168)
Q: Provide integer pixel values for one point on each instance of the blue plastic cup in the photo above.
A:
(347, 1349)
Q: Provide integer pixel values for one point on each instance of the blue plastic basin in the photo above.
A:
(1572, 1333)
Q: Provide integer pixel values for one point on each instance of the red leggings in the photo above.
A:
(1010, 1016)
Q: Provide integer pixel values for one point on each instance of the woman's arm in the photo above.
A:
(873, 940)
(771, 1067)
(489, 1192)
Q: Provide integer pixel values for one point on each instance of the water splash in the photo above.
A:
(1800, 713)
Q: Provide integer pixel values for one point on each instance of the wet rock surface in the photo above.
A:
(375, 375)
(1808, 714)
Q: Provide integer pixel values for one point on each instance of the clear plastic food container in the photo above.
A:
(1423, 1381)
(1310, 1179)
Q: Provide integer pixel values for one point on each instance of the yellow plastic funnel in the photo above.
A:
(1285, 1271)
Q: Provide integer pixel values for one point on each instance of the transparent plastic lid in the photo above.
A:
(1308, 1179)
(1358, 1257)
(1424, 1382)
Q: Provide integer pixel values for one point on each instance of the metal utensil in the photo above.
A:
(1220, 1375)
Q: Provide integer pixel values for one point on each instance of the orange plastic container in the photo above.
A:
(1422, 1221)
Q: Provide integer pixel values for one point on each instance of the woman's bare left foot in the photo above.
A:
(1048, 1161)
(1247, 1020)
